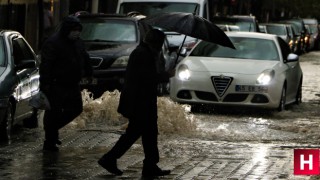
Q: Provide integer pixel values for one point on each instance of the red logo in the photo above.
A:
(306, 162)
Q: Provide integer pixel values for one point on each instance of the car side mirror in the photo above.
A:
(26, 64)
(292, 57)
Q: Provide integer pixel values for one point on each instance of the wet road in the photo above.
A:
(236, 144)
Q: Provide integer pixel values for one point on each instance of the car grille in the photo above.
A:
(221, 84)
(96, 61)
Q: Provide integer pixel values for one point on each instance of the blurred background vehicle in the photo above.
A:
(151, 7)
(313, 26)
(109, 40)
(300, 31)
(19, 81)
(269, 76)
(278, 29)
(245, 23)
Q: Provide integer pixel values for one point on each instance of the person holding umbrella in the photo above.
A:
(138, 103)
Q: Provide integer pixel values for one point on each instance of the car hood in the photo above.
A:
(110, 49)
(239, 66)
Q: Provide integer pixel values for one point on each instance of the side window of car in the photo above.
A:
(21, 51)
(285, 49)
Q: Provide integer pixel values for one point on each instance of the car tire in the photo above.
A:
(299, 94)
(282, 102)
(6, 125)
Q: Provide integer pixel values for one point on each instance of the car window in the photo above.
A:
(21, 51)
(2, 56)
(246, 48)
(275, 29)
(110, 31)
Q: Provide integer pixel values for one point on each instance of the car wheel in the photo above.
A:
(6, 125)
(282, 102)
(32, 122)
(299, 94)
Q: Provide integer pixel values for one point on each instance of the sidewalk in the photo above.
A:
(188, 158)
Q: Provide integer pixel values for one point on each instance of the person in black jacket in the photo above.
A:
(64, 62)
(138, 102)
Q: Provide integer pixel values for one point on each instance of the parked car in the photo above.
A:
(260, 72)
(300, 31)
(245, 23)
(109, 40)
(294, 42)
(312, 25)
(19, 81)
(278, 29)
(314, 36)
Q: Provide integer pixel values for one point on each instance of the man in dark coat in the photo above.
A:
(64, 61)
(138, 102)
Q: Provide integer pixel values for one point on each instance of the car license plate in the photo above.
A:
(248, 88)
(86, 81)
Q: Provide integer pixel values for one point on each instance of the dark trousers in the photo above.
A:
(144, 127)
(66, 104)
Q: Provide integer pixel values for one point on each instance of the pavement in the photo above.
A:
(187, 157)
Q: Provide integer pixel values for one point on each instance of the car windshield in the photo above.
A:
(109, 31)
(276, 29)
(313, 28)
(246, 48)
(150, 8)
(2, 53)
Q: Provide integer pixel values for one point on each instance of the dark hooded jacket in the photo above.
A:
(139, 95)
(64, 61)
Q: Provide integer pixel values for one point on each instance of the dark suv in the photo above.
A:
(19, 81)
(109, 40)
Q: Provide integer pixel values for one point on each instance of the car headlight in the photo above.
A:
(183, 72)
(121, 61)
(265, 77)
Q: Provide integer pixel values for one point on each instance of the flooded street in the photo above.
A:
(229, 144)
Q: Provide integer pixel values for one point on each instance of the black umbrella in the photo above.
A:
(190, 25)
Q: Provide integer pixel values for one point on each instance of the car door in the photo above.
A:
(292, 72)
(27, 75)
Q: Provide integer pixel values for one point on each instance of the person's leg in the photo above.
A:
(150, 142)
(151, 151)
(72, 106)
(51, 130)
(126, 140)
(51, 118)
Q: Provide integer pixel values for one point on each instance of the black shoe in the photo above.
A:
(110, 165)
(47, 146)
(58, 142)
(152, 171)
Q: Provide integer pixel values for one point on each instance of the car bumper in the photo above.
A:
(201, 90)
(104, 80)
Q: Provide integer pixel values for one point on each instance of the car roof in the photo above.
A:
(132, 16)
(251, 35)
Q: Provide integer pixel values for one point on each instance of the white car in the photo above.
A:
(261, 72)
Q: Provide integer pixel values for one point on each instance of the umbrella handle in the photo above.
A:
(184, 39)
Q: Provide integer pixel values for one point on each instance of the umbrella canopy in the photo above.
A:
(190, 25)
